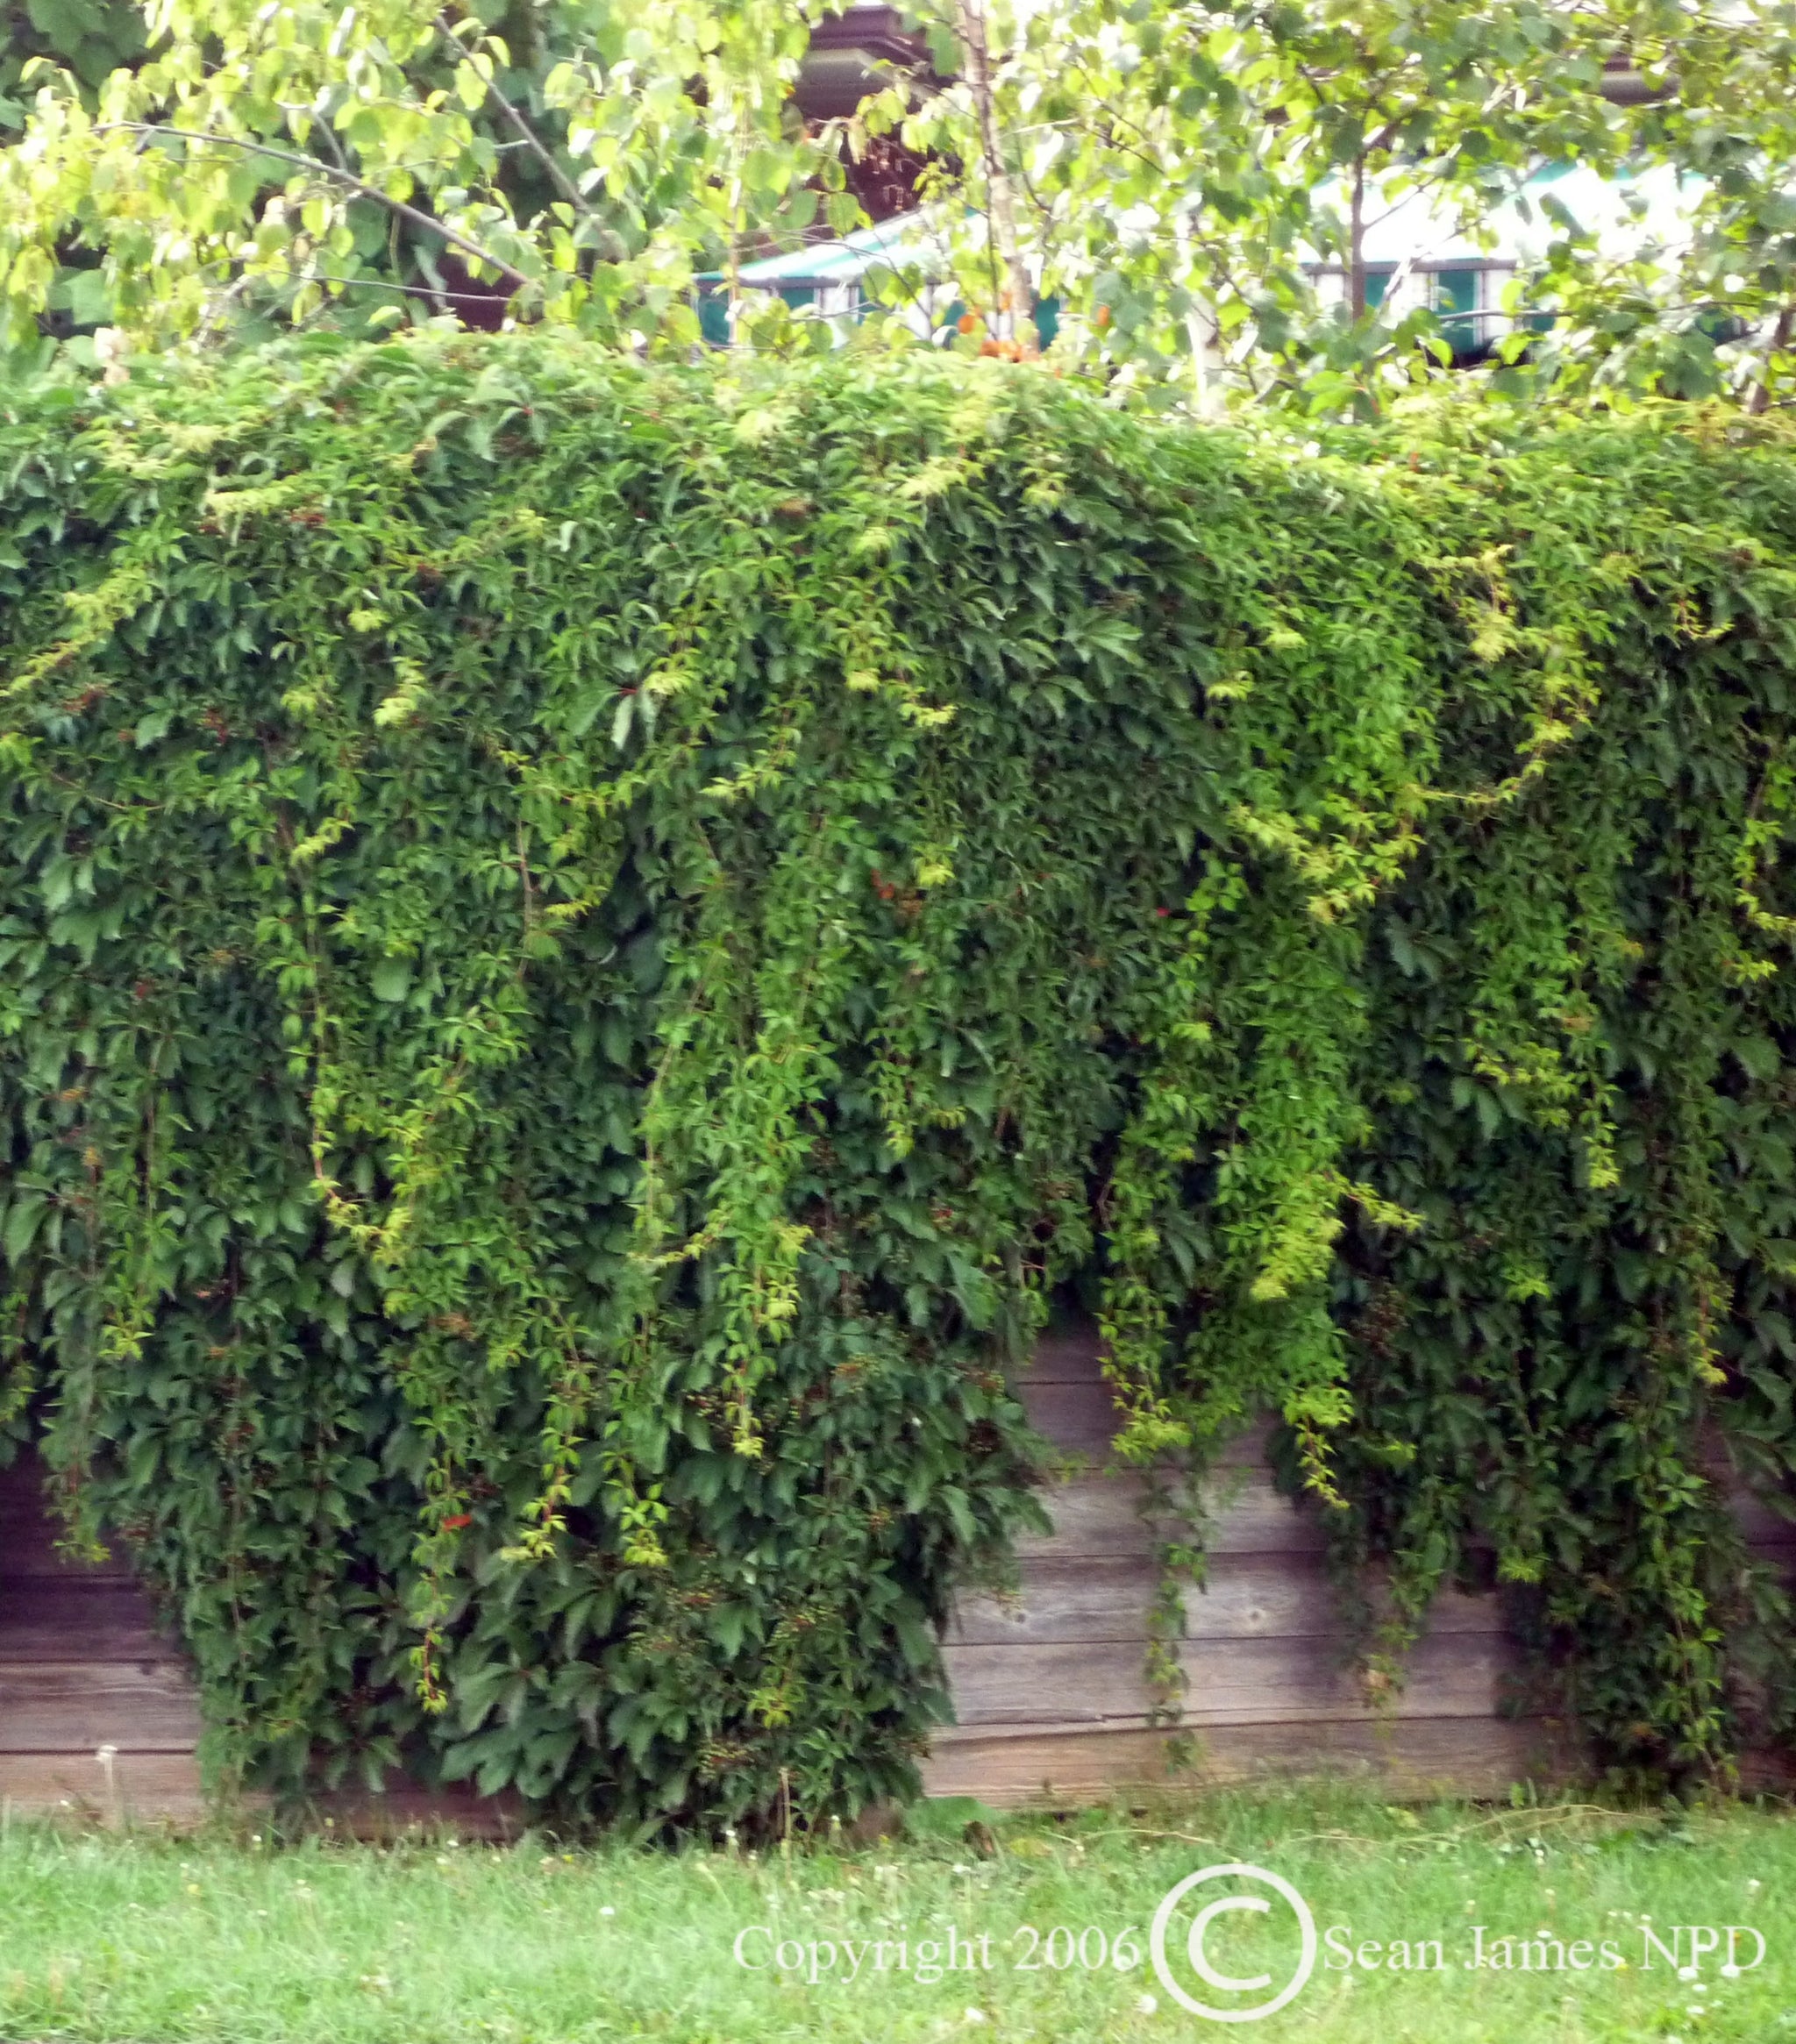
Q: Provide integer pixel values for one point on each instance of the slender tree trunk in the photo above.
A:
(1001, 194)
(732, 246)
(1356, 243)
(1196, 339)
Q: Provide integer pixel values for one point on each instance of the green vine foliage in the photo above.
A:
(588, 949)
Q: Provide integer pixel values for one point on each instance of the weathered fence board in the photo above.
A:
(1241, 1681)
(1101, 1514)
(145, 1707)
(104, 1621)
(1106, 1598)
(1472, 1756)
(136, 1785)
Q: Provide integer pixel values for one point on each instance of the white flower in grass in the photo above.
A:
(1147, 2004)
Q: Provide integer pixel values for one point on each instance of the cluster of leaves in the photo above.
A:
(1582, 1033)
(585, 947)
(1196, 182)
(89, 38)
(1707, 309)
(231, 170)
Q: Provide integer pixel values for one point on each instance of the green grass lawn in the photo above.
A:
(151, 1939)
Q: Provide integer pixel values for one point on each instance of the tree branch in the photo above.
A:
(347, 179)
(526, 134)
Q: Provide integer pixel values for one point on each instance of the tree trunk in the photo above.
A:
(1000, 195)
(1194, 336)
(1355, 244)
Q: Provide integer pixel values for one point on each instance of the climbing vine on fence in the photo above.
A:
(582, 949)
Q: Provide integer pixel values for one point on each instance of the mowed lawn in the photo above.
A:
(1013, 1932)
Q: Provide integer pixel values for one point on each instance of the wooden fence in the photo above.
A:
(98, 1713)
(1051, 1688)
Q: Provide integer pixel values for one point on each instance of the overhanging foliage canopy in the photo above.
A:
(584, 947)
(1170, 172)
